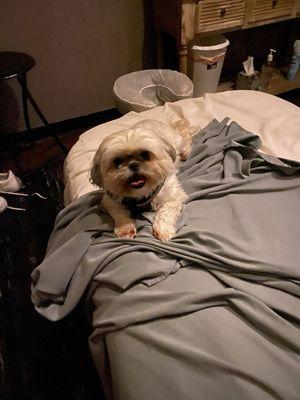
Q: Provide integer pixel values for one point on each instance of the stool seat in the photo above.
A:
(14, 64)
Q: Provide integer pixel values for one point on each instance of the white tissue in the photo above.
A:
(248, 67)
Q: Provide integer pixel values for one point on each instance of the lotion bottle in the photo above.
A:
(267, 71)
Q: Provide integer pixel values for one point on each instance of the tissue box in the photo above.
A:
(247, 82)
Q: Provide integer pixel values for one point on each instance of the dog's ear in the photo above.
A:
(95, 175)
(172, 152)
(169, 149)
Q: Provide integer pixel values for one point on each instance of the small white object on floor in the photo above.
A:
(9, 182)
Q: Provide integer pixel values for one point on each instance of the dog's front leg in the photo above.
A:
(124, 224)
(183, 128)
(165, 220)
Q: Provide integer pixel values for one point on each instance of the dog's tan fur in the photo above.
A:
(164, 145)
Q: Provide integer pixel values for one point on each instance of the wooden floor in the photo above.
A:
(31, 157)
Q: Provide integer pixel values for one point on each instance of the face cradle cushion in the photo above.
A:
(143, 90)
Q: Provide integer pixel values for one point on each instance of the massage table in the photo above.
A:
(214, 313)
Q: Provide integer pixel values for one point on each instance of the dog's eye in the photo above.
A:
(118, 161)
(145, 155)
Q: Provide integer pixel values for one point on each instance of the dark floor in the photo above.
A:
(31, 157)
(41, 360)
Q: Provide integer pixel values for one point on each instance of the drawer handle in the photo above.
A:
(274, 3)
(223, 12)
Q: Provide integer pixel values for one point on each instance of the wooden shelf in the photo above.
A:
(224, 86)
(279, 84)
(186, 19)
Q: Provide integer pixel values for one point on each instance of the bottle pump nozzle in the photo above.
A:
(270, 55)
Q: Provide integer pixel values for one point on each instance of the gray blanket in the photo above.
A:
(212, 314)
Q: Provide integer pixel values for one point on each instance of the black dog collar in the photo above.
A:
(136, 202)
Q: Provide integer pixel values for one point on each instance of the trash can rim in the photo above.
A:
(214, 47)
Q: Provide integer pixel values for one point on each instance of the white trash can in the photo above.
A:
(205, 63)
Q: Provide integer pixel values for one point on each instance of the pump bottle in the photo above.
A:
(268, 70)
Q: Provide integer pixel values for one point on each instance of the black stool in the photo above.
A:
(16, 65)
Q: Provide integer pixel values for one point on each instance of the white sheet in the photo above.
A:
(276, 121)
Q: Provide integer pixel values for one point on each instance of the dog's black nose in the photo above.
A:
(133, 166)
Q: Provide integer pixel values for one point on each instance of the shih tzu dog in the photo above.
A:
(136, 167)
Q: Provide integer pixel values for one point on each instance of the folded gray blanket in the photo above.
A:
(240, 226)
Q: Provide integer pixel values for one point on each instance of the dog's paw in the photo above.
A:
(125, 231)
(163, 232)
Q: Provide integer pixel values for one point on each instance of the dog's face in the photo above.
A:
(132, 163)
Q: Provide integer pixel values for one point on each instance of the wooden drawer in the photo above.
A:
(269, 9)
(212, 15)
(297, 7)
